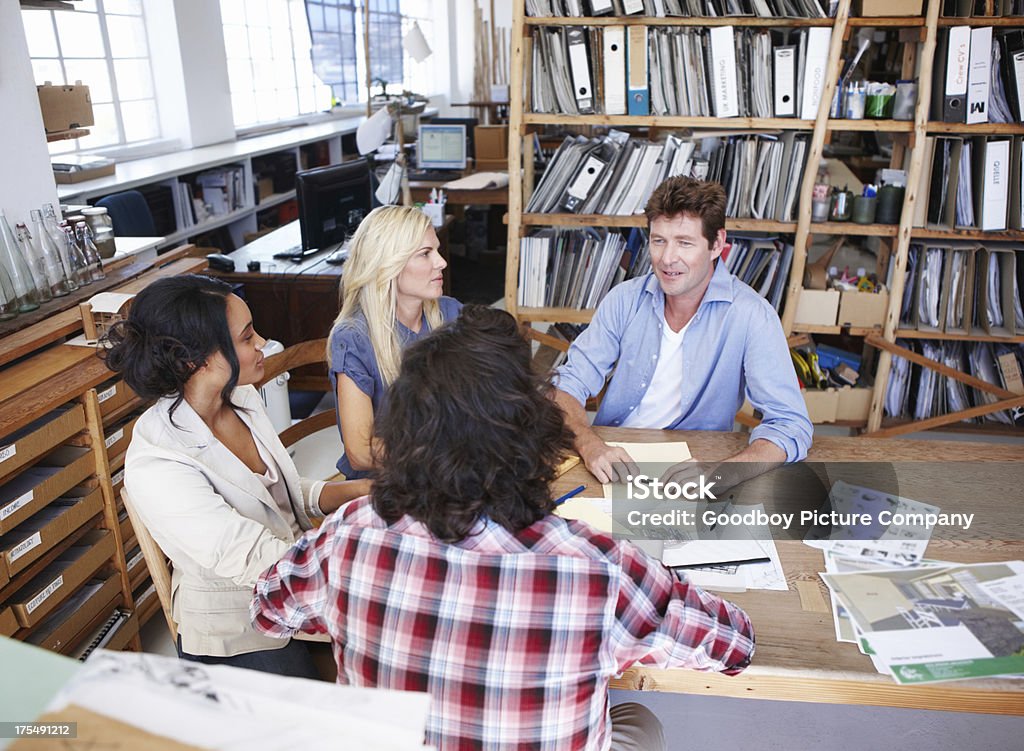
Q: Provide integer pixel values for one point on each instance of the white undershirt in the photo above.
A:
(662, 403)
(274, 482)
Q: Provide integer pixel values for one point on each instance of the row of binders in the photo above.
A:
(616, 174)
(971, 183)
(964, 288)
(761, 262)
(978, 75)
(918, 393)
(982, 8)
(690, 72)
(679, 8)
(575, 268)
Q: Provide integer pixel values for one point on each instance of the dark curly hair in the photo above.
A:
(173, 327)
(469, 431)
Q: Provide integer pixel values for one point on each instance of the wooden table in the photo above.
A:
(798, 657)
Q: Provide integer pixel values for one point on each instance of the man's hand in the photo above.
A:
(607, 463)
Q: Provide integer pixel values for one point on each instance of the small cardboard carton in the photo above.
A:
(871, 8)
(863, 309)
(822, 405)
(65, 107)
(854, 404)
(63, 629)
(490, 142)
(817, 307)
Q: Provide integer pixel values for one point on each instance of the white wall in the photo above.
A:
(205, 69)
(27, 181)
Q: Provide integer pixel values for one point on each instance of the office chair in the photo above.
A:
(310, 352)
(130, 214)
(157, 563)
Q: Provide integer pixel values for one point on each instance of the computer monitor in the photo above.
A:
(441, 147)
(332, 202)
(469, 122)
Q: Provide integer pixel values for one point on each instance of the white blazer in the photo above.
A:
(214, 519)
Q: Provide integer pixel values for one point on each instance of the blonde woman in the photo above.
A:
(391, 296)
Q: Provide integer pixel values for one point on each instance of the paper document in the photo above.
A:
(479, 181)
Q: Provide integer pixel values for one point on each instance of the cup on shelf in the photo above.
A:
(864, 209)
(890, 204)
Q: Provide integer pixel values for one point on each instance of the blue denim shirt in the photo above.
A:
(734, 348)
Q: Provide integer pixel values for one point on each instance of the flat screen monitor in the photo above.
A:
(332, 202)
(441, 147)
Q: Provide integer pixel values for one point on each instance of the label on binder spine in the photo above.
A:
(16, 504)
(117, 478)
(40, 598)
(24, 546)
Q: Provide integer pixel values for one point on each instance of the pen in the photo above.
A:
(575, 491)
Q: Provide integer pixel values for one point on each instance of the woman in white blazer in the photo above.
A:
(206, 471)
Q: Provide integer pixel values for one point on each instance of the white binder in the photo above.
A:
(614, 70)
(723, 74)
(995, 180)
(639, 96)
(785, 81)
(579, 64)
(957, 59)
(629, 7)
(815, 65)
(978, 76)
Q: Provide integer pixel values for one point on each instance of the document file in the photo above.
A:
(958, 48)
(785, 81)
(639, 97)
(723, 74)
(993, 179)
(978, 75)
(614, 70)
(814, 65)
(580, 69)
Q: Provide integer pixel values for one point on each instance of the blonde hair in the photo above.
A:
(381, 247)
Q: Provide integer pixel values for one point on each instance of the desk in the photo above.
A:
(798, 658)
(491, 197)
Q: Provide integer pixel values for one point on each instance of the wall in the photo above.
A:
(27, 181)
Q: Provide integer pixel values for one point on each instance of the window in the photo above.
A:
(267, 43)
(103, 44)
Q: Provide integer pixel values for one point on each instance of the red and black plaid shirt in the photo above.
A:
(515, 636)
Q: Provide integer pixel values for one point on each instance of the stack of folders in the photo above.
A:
(972, 183)
(761, 262)
(687, 71)
(683, 8)
(616, 174)
(573, 268)
(978, 75)
(964, 289)
(918, 393)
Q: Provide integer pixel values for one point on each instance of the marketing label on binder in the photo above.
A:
(954, 103)
(639, 96)
(580, 68)
(785, 81)
(614, 70)
(723, 74)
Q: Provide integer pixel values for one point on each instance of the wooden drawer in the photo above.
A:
(40, 532)
(56, 582)
(127, 531)
(127, 631)
(117, 437)
(35, 439)
(63, 628)
(147, 602)
(113, 395)
(9, 624)
(51, 477)
(136, 565)
(116, 464)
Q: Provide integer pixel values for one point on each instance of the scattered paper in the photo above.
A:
(479, 181)
(373, 132)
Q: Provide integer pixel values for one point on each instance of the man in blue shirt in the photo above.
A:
(687, 342)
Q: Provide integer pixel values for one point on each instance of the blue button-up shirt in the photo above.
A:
(733, 348)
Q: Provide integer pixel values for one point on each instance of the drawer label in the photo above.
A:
(40, 598)
(16, 504)
(106, 393)
(114, 437)
(24, 546)
(7, 452)
(134, 560)
(117, 478)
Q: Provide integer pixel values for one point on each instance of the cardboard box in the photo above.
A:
(490, 142)
(81, 175)
(34, 537)
(822, 405)
(492, 165)
(854, 404)
(889, 7)
(863, 309)
(50, 478)
(8, 623)
(68, 572)
(67, 625)
(65, 107)
(35, 439)
(817, 307)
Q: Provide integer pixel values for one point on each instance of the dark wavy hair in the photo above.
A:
(469, 431)
(704, 199)
(174, 325)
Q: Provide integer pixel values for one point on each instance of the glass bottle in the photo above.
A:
(92, 254)
(8, 300)
(57, 273)
(102, 228)
(60, 241)
(21, 278)
(34, 261)
(821, 195)
(74, 251)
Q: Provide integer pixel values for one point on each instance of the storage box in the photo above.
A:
(56, 582)
(491, 165)
(490, 142)
(36, 438)
(65, 107)
(854, 404)
(117, 438)
(889, 7)
(817, 307)
(66, 626)
(863, 309)
(81, 175)
(822, 405)
(31, 539)
(51, 477)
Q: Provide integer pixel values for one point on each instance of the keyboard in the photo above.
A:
(296, 253)
(433, 175)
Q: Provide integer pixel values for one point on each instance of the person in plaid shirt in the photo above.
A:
(456, 578)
